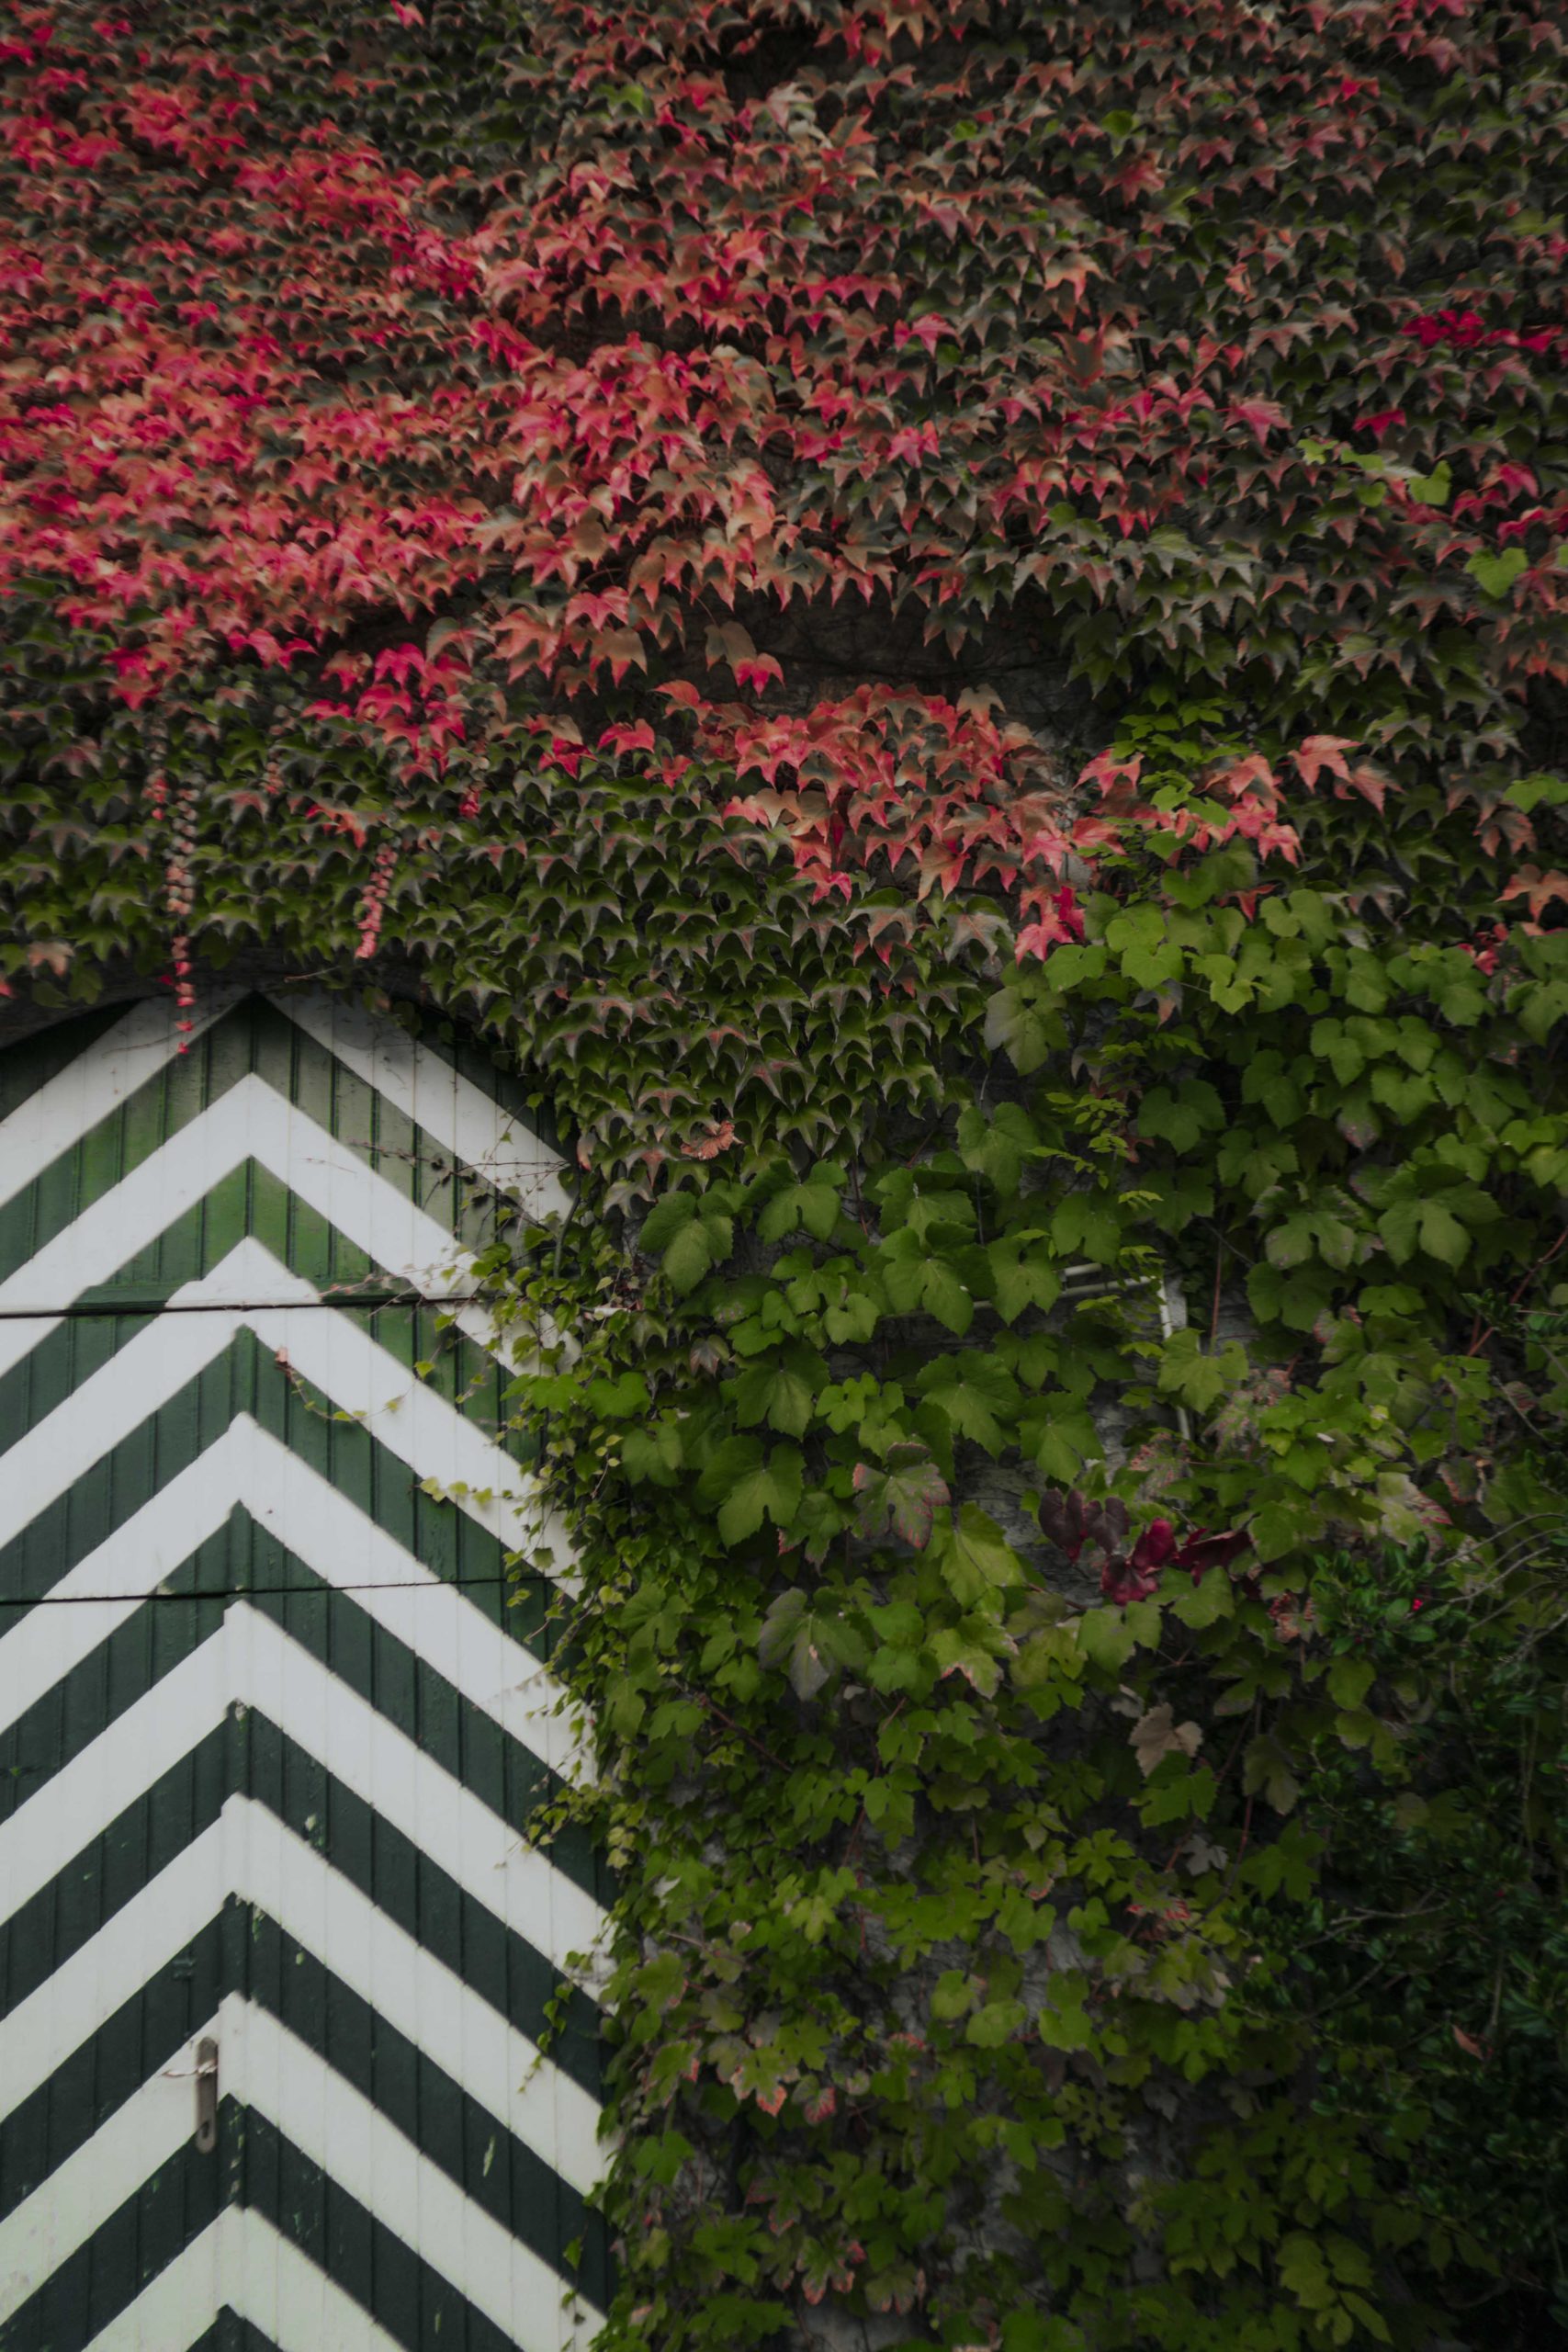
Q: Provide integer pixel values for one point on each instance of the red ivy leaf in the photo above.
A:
(708, 1146)
(1320, 751)
(1263, 416)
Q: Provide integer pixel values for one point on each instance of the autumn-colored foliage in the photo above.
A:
(712, 363)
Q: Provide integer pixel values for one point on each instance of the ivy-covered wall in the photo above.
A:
(947, 624)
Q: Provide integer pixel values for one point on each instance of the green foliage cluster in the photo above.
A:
(1432, 1962)
(444, 90)
(1052, 1955)
(1068, 1946)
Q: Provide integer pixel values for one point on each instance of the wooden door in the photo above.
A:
(269, 1729)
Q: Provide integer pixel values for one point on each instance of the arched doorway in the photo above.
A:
(274, 1957)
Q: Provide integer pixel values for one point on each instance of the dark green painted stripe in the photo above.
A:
(251, 1202)
(31, 1062)
(94, 2285)
(245, 1951)
(249, 1755)
(510, 2182)
(250, 1038)
(146, 2033)
(43, 1933)
(56, 1367)
(229, 2333)
(255, 2165)
(245, 1560)
(245, 1378)
(418, 2308)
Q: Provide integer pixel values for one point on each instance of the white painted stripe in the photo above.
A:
(102, 1077)
(270, 2071)
(412, 1420)
(44, 1644)
(94, 2180)
(248, 1661)
(248, 1466)
(250, 1121)
(265, 2066)
(449, 1108)
(64, 1110)
(140, 1939)
(240, 2260)
(414, 1992)
(269, 2282)
(250, 1853)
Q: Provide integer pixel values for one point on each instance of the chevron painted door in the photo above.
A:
(271, 1724)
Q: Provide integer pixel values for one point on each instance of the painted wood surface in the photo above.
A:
(271, 1726)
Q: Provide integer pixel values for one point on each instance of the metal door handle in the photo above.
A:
(206, 2095)
(204, 2074)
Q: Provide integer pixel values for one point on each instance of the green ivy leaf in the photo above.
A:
(917, 1276)
(1267, 1081)
(1026, 1028)
(700, 1243)
(974, 1556)
(617, 1400)
(655, 1455)
(1332, 1042)
(781, 1393)
(810, 1642)
(943, 1296)
(979, 1396)
(1496, 574)
(1183, 1118)
(897, 1663)
(1433, 489)
(1405, 1093)
(1023, 1274)
(1197, 1378)
(1291, 1244)
(1060, 1443)
(853, 1320)
(1087, 1226)
(998, 1146)
(996, 2022)
(953, 1994)
(1275, 1528)
(1411, 1224)
(1268, 1764)
(746, 1489)
(1205, 1602)
(900, 1495)
(1296, 1299)
(1105, 1638)
(957, 1650)
(1349, 1680)
(665, 1220)
(815, 1204)
(1064, 2024)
